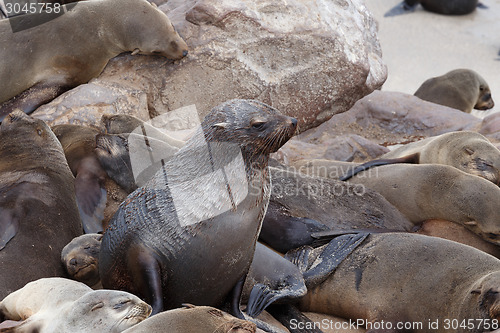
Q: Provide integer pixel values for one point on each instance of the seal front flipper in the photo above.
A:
(146, 275)
(260, 298)
(482, 5)
(330, 257)
(91, 199)
(30, 99)
(9, 225)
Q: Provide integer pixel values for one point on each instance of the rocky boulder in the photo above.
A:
(309, 59)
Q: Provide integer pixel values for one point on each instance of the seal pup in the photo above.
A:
(461, 89)
(79, 143)
(468, 151)
(412, 279)
(57, 305)
(193, 319)
(80, 257)
(45, 67)
(212, 194)
(38, 211)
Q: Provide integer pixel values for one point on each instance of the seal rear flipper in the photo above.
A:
(330, 257)
(260, 298)
(413, 158)
(287, 314)
(300, 257)
(9, 225)
(30, 99)
(482, 5)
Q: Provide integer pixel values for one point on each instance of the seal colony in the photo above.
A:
(212, 194)
(49, 66)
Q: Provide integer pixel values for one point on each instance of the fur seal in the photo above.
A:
(57, 305)
(432, 191)
(79, 143)
(212, 194)
(451, 7)
(38, 211)
(468, 151)
(461, 89)
(193, 319)
(81, 259)
(426, 279)
(47, 67)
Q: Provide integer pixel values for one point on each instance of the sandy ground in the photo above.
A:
(421, 45)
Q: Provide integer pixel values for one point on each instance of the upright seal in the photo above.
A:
(212, 195)
(37, 67)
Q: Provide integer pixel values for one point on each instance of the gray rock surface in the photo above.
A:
(310, 60)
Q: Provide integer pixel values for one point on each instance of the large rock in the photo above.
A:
(309, 59)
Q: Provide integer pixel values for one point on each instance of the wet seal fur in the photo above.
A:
(193, 319)
(423, 280)
(37, 71)
(461, 89)
(38, 211)
(81, 259)
(223, 213)
(57, 305)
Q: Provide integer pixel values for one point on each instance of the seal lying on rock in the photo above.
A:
(57, 305)
(461, 89)
(37, 71)
(415, 280)
(38, 211)
(212, 195)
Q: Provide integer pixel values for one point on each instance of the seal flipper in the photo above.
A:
(260, 298)
(91, 200)
(482, 5)
(30, 99)
(288, 313)
(9, 225)
(146, 275)
(330, 257)
(413, 158)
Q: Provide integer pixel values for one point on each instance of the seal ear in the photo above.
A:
(188, 305)
(154, 4)
(471, 223)
(469, 151)
(134, 52)
(220, 125)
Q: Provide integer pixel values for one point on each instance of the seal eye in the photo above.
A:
(97, 306)
(122, 303)
(481, 88)
(258, 125)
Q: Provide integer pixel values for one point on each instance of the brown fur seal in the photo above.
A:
(81, 259)
(461, 89)
(45, 67)
(468, 151)
(38, 211)
(194, 319)
(432, 191)
(212, 194)
(413, 280)
(79, 143)
(57, 305)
